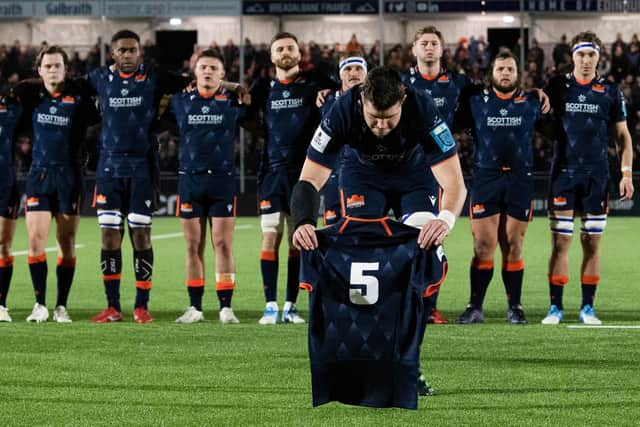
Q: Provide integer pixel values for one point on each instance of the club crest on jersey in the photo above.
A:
(264, 205)
(141, 77)
(124, 92)
(443, 79)
(519, 99)
(597, 88)
(582, 98)
(101, 199)
(329, 215)
(68, 100)
(53, 110)
(559, 201)
(478, 209)
(3, 108)
(33, 202)
(205, 110)
(286, 94)
(355, 201)
(503, 112)
(186, 207)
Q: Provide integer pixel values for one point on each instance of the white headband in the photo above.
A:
(587, 47)
(353, 60)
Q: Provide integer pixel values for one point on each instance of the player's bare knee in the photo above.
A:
(111, 238)
(141, 238)
(483, 248)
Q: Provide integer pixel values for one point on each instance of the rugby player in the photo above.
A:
(585, 108)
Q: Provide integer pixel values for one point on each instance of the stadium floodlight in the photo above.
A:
(508, 19)
(175, 21)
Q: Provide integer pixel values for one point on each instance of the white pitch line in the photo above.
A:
(603, 326)
(51, 249)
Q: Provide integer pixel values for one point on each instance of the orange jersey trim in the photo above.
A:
(306, 286)
(268, 256)
(382, 221)
(195, 283)
(433, 288)
(225, 286)
(558, 279)
(590, 280)
(513, 265)
(143, 284)
(429, 76)
(109, 277)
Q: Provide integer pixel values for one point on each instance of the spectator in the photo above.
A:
(561, 52)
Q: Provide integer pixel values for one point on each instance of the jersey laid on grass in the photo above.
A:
(420, 125)
(58, 122)
(207, 131)
(366, 281)
(10, 112)
(584, 114)
(129, 106)
(290, 116)
(503, 128)
(445, 89)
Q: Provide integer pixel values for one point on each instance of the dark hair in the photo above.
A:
(51, 50)
(383, 88)
(429, 30)
(282, 35)
(503, 53)
(210, 53)
(125, 34)
(586, 36)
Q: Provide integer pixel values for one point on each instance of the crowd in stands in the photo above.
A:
(619, 62)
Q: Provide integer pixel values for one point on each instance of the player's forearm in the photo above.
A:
(453, 197)
(626, 159)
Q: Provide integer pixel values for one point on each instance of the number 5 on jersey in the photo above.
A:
(363, 288)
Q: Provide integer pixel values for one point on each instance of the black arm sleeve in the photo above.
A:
(305, 202)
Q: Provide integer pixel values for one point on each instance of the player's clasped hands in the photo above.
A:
(433, 233)
(304, 238)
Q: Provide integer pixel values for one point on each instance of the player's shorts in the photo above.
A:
(495, 191)
(127, 195)
(369, 192)
(9, 199)
(579, 192)
(331, 196)
(206, 195)
(54, 189)
(274, 191)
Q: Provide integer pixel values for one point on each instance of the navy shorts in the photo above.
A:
(9, 199)
(331, 197)
(206, 195)
(274, 191)
(127, 195)
(495, 191)
(55, 190)
(369, 192)
(579, 192)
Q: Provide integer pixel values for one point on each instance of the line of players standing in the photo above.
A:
(501, 117)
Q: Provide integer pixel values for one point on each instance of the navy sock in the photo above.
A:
(38, 270)
(293, 275)
(224, 297)
(64, 272)
(512, 277)
(195, 288)
(111, 264)
(143, 268)
(6, 271)
(269, 269)
(556, 289)
(433, 300)
(589, 285)
(480, 275)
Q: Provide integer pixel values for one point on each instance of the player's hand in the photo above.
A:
(320, 99)
(545, 105)
(626, 188)
(191, 87)
(243, 95)
(433, 233)
(305, 237)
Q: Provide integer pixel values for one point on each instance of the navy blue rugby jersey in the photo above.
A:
(129, 106)
(503, 128)
(207, 128)
(290, 117)
(420, 126)
(10, 112)
(445, 89)
(366, 282)
(58, 121)
(329, 100)
(584, 114)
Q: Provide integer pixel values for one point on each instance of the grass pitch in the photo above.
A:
(209, 374)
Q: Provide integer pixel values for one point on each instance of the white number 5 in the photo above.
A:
(363, 289)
